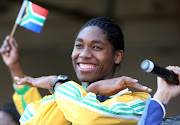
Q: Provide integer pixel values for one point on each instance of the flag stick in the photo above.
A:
(23, 6)
(13, 30)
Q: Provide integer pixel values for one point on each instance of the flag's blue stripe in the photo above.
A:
(33, 27)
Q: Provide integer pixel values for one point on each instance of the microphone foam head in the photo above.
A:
(147, 65)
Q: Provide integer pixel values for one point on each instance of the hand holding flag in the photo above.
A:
(31, 16)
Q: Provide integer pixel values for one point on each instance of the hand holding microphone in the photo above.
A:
(169, 76)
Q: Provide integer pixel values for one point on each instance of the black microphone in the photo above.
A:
(169, 76)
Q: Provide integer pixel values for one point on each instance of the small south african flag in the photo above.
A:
(31, 16)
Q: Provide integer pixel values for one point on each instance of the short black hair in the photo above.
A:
(10, 109)
(111, 29)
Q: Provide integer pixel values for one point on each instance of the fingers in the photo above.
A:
(13, 43)
(128, 79)
(17, 79)
(128, 82)
(175, 69)
(23, 81)
(5, 47)
(139, 87)
(8, 44)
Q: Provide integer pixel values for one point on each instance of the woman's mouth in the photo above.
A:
(86, 67)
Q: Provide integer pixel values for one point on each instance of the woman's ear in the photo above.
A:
(118, 56)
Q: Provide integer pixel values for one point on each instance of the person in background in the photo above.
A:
(9, 115)
(23, 94)
(173, 120)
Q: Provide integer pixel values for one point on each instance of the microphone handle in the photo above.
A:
(167, 75)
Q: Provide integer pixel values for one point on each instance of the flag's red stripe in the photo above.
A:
(39, 10)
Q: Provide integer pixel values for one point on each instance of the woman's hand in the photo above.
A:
(10, 54)
(165, 90)
(112, 86)
(41, 82)
(9, 51)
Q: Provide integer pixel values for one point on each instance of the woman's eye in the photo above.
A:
(97, 47)
(78, 45)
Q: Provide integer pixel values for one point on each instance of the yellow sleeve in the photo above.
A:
(24, 95)
(72, 104)
(81, 107)
(43, 112)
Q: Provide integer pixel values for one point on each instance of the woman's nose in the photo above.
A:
(85, 53)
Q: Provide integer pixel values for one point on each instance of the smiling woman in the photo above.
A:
(98, 50)
(93, 54)
(99, 46)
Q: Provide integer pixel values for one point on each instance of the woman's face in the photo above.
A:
(93, 57)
